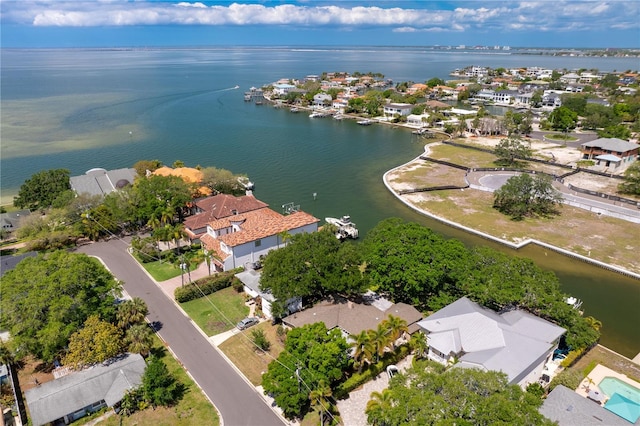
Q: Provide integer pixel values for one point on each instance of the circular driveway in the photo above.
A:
(495, 181)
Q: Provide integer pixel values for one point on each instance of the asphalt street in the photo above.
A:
(238, 403)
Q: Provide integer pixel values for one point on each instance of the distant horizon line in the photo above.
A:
(490, 48)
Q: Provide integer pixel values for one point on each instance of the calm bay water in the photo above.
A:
(80, 109)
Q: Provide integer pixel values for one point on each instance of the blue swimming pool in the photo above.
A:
(612, 385)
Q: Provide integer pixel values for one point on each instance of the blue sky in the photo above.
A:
(121, 23)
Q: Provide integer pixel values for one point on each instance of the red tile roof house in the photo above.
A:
(241, 239)
(217, 207)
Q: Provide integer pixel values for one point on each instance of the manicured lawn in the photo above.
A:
(161, 271)
(217, 312)
(560, 137)
(244, 355)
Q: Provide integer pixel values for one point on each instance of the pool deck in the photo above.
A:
(596, 375)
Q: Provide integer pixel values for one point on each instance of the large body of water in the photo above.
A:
(79, 109)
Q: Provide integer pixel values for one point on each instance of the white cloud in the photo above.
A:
(560, 15)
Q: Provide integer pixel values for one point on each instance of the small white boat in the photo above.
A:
(236, 87)
(294, 109)
(365, 122)
(248, 185)
(338, 117)
(346, 228)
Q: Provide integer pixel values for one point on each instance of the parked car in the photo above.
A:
(247, 322)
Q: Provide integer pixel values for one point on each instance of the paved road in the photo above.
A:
(238, 403)
(494, 180)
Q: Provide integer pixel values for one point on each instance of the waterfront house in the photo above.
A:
(322, 99)
(102, 182)
(417, 87)
(611, 152)
(523, 98)
(282, 89)
(11, 221)
(243, 238)
(417, 120)
(68, 398)
(394, 109)
(516, 342)
(209, 209)
(567, 408)
(570, 78)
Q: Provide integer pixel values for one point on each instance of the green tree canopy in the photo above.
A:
(46, 299)
(510, 150)
(222, 180)
(410, 262)
(142, 166)
(312, 356)
(157, 194)
(562, 118)
(464, 396)
(312, 266)
(42, 189)
(159, 387)
(631, 184)
(523, 196)
(96, 342)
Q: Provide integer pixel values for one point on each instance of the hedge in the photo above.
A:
(204, 286)
(358, 379)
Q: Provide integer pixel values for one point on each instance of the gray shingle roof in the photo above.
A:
(611, 144)
(512, 342)
(55, 399)
(101, 181)
(567, 408)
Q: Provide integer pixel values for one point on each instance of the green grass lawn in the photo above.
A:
(217, 312)
(165, 270)
(560, 137)
(193, 409)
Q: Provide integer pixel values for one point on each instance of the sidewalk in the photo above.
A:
(169, 286)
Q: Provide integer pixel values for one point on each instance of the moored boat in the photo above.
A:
(345, 228)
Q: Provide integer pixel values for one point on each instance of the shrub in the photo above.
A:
(260, 340)
(568, 378)
(572, 357)
(203, 287)
(237, 285)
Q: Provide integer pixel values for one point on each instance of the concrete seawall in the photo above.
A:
(500, 240)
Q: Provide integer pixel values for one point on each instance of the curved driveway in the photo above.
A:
(238, 403)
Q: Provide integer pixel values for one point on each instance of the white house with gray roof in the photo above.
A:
(102, 182)
(516, 343)
(78, 394)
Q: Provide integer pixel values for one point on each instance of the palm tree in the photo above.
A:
(167, 214)
(131, 312)
(379, 340)
(419, 344)
(153, 222)
(320, 397)
(363, 349)
(284, 236)
(207, 258)
(594, 323)
(378, 405)
(139, 339)
(397, 327)
(177, 233)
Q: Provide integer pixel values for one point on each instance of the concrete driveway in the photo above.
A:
(238, 403)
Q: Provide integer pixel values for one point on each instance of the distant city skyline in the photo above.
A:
(148, 23)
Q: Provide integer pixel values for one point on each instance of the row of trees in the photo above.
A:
(410, 263)
(63, 306)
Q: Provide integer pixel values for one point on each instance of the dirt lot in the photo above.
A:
(610, 240)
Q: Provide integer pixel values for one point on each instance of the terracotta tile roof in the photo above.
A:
(255, 225)
(220, 206)
(213, 245)
(188, 174)
(265, 223)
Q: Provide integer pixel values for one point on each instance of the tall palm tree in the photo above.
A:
(139, 339)
(320, 397)
(379, 340)
(131, 312)
(284, 236)
(419, 344)
(378, 405)
(177, 234)
(153, 222)
(363, 349)
(167, 214)
(397, 327)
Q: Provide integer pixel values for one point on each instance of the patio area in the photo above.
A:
(615, 391)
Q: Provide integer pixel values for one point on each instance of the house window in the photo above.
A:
(258, 243)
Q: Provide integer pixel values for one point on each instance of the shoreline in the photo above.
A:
(506, 243)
